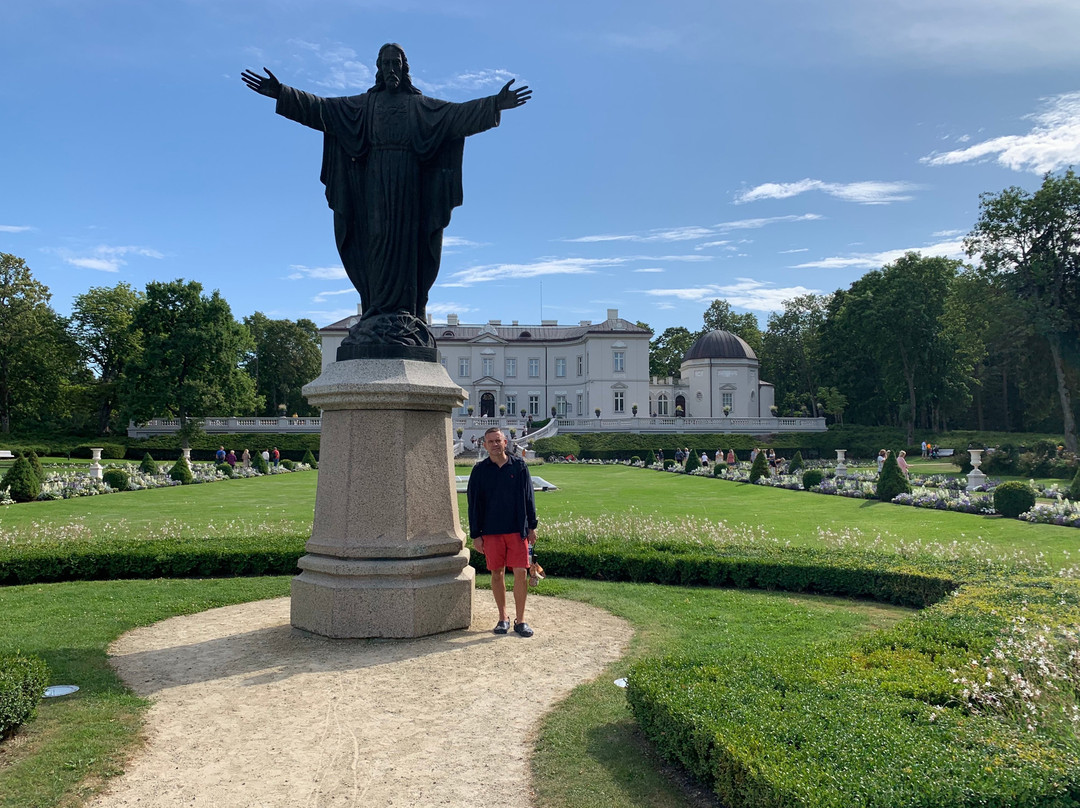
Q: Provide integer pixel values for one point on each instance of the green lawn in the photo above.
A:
(286, 502)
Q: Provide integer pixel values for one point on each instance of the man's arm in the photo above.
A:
(530, 503)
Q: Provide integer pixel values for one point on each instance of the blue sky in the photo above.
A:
(672, 153)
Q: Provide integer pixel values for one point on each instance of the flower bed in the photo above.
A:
(71, 484)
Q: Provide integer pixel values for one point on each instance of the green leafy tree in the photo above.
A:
(286, 356)
(1030, 242)
(666, 352)
(38, 360)
(189, 363)
(720, 317)
(832, 402)
(102, 322)
(791, 349)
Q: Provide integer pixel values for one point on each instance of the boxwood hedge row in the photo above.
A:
(22, 684)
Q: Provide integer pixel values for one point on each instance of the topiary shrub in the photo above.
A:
(148, 465)
(22, 684)
(181, 472)
(668, 462)
(117, 479)
(309, 459)
(225, 469)
(258, 462)
(760, 467)
(1013, 498)
(288, 465)
(650, 458)
(35, 463)
(891, 481)
(692, 463)
(718, 469)
(796, 462)
(812, 477)
(22, 483)
(1074, 488)
(635, 459)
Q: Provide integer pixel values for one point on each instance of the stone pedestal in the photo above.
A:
(386, 556)
(841, 468)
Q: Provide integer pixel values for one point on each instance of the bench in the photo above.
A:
(5, 454)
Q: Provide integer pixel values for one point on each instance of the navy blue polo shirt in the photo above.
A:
(501, 498)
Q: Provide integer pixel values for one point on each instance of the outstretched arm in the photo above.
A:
(267, 85)
(507, 98)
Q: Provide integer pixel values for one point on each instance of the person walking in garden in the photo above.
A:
(502, 524)
(245, 459)
(277, 456)
(230, 458)
(731, 457)
(219, 455)
(901, 461)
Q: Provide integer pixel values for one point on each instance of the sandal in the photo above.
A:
(523, 629)
(502, 627)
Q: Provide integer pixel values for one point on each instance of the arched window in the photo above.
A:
(662, 404)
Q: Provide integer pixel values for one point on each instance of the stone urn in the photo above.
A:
(975, 476)
(96, 469)
(841, 468)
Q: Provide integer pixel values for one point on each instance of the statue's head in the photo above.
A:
(392, 70)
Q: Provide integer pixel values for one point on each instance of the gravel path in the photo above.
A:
(248, 712)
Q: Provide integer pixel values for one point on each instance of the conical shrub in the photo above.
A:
(35, 464)
(891, 481)
(148, 465)
(760, 467)
(22, 483)
(796, 462)
(181, 472)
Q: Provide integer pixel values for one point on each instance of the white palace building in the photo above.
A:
(593, 377)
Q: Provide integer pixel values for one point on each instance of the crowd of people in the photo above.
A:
(223, 455)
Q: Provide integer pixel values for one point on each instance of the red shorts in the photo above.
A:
(502, 550)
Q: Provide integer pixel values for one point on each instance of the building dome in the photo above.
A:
(719, 345)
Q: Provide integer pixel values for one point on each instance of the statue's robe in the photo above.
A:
(392, 171)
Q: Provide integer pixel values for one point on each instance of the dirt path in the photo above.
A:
(248, 712)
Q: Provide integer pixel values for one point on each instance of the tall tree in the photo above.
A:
(103, 326)
(190, 359)
(286, 356)
(792, 345)
(37, 358)
(720, 317)
(1030, 242)
(666, 352)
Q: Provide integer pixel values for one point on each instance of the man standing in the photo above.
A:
(502, 523)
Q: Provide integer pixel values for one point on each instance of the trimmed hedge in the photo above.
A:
(116, 479)
(22, 684)
(181, 472)
(891, 482)
(132, 558)
(1013, 498)
(22, 482)
(148, 465)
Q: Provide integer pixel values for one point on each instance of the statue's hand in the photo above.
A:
(507, 98)
(267, 85)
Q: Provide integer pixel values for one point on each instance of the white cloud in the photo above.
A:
(949, 249)
(339, 69)
(457, 241)
(754, 224)
(442, 309)
(321, 296)
(694, 232)
(14, 228)
(1052, 143)
(649, 269)
(864, 193)
(100, 264)
(105, 258)
(474, 80)
(547, 266)
(796, 250)
(319, 273)
(745, 293)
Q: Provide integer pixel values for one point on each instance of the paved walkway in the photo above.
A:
(247, 712)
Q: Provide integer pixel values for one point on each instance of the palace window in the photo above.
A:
(511, 367)
(618, 361)
(488, 367)
(463, 368)
(534, 368)
(560, 368)
(534, 405)
(620, 401)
